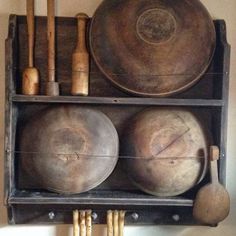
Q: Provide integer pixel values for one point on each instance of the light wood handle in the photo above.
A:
(82, 223)
(214, 157)
(30, 80)
(76, 223)
(30, 23)
(80, 60)
(121, 222)
(51, 40)
(116, 223)
(109, 223)
(89, 223)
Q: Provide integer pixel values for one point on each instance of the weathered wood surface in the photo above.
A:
(66, 37)
(169, 150)
(80, 59)
(212, 202)
(30, 80)
(69, 149)
(211, 93)
(150, 48)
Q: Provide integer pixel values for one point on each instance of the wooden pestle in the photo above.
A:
(52, 87)
(30, 83)
(80, 60)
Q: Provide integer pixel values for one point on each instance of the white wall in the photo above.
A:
(224, 9)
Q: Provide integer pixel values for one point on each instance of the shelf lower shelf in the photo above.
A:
(119, 101)
(104, 198)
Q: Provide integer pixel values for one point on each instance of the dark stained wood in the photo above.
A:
(27, 202)
(99, 86)
(98, 198)
(119, 101)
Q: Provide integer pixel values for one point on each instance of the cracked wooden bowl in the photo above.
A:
(70, 149)
(166, 150)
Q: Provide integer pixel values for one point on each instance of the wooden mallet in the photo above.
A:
(80, 60)
(52, 87)
(30, 83)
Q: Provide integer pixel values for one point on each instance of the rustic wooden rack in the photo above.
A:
(28, 204)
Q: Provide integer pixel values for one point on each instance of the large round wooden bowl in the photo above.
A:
(152, 47)
(166, 151)
(70, 149)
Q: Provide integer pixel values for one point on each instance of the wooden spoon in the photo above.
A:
(212, 203)
(30, 83)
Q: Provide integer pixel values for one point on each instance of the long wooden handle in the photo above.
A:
(121, 222)
(89, 223)
(82, 223)
(109, 223)
(80, 60)
(115, 223)
(76, 223)
(214, 157)
(51, 40)
(30, 23)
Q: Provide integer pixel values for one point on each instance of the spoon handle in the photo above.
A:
(214, 157)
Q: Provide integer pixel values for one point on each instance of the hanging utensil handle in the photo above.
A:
(30, 23)
(214, 157)
(80, 60)
(52, 87)
(76, 223)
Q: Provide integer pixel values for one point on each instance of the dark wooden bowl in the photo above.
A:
(166, 151)
(152, 48)
(70, 149)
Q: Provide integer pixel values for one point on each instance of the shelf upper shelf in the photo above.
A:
(119, 101)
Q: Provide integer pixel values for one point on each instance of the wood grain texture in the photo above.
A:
(31, 31)
(70, 154)
(26, 206)
(155, 48)
(80, 60)
(76, 223)
(168, 151)
(30, 80)
(52, 87)
(66, 39)
(212, 203)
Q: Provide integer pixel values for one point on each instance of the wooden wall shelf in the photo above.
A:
(27, 203)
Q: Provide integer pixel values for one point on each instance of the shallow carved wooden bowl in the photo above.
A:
(70, 149)
(166, 151)
(152, 47)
